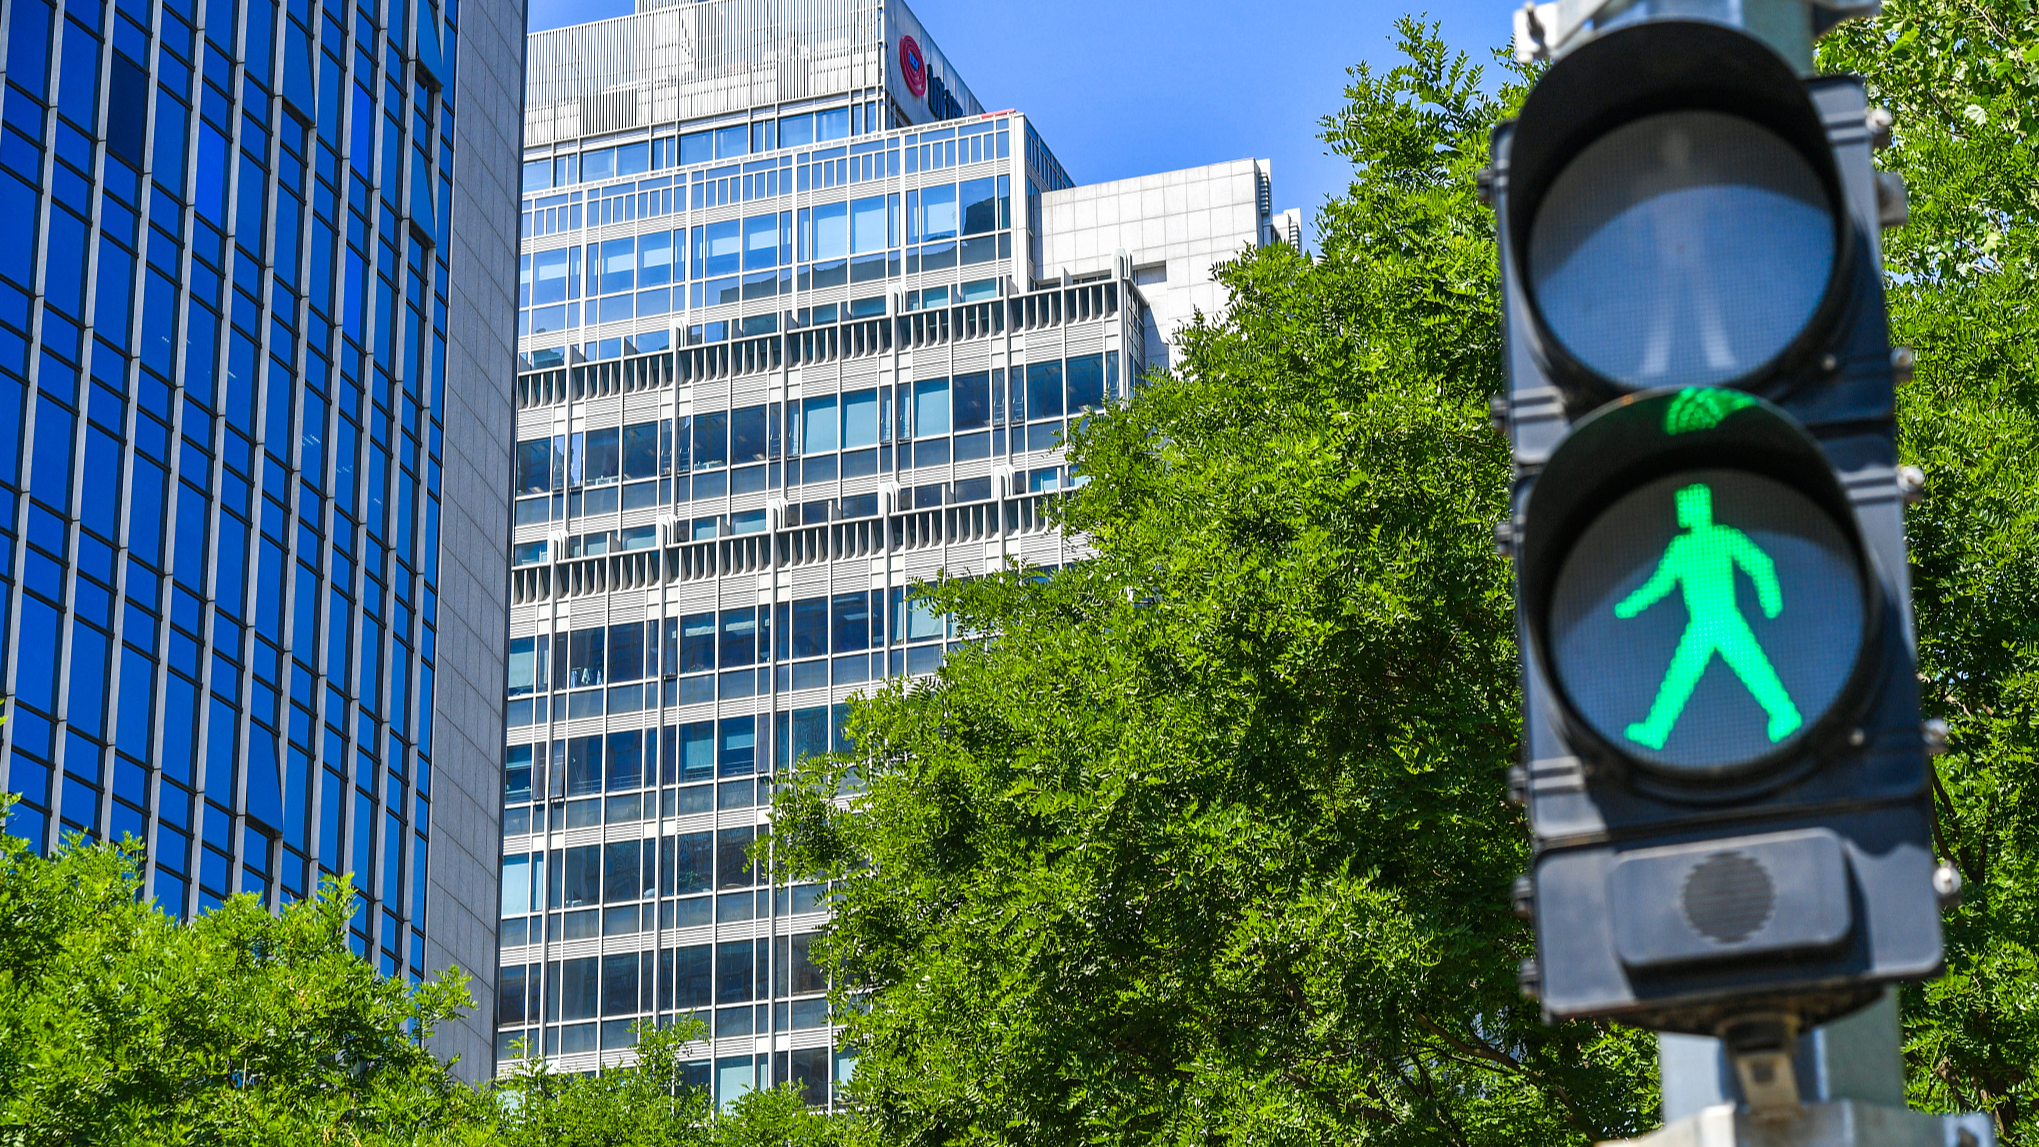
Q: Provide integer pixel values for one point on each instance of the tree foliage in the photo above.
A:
(1210, 843)
(120, 1026)
(1962, 80)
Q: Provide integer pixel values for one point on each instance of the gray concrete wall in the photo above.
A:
(474, 528)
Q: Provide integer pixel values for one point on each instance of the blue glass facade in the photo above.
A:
(224, 310)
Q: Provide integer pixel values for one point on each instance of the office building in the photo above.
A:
(800, 322)
(255, 323)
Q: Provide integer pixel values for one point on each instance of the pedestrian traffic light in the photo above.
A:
(1723, 763)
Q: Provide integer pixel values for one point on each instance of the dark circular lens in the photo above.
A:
(1683, 249)
(1706, 620)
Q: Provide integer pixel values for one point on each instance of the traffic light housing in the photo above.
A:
(1722, 756)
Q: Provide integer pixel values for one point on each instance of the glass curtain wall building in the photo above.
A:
(234, 322)
(787, 345)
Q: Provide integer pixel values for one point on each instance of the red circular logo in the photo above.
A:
(913, 66)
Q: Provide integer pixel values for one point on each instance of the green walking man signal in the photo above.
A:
(1703, 562)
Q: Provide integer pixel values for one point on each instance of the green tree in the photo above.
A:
(1962, 80)
(1210, 845)
(121, 1026)
(118, 1025)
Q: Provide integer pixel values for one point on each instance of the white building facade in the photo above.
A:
(801, 324)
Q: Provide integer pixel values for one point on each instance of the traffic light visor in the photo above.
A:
(1700, 596)
(1674, 213)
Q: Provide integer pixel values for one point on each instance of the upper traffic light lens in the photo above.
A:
(1707, 621)
(1682, 249)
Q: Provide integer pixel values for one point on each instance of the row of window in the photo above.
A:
(621, 872)
(595, 164)
(754, 258)
(705, 642)
(822, 424)
(622, 761)
(931, 150)
(817, 472)
(629, 983)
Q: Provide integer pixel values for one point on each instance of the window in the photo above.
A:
(938, 211)
(913, 618)
(655, 259)
(971, 397)
(550, 278)
(692, 978)
(527, 665)
(732, 855)
(640, 450)
(696, 751)
(979, 206)
(687, 862)
(739, 637)
(581, 877)
(516, 885)
(1044, 390)
(807, 733)
(747, 435)
(579, 982)
(534, 466)
(517, 774)
(1086, 381)
(867, 225)
(718, 248)
(697, 642)
(831, 124)
(809, 628)
(818, 425)
(860, 419)
(851, 614)
(760, 242)
(619, 265)
(804, 975)
(832, 231)
(930, 407)
(711, 439)
(626, 652)
(619, 983)
(603, 460)
(733, 971)
(736, 750)
(585, 657)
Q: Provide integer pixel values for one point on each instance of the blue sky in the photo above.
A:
(1127, 89)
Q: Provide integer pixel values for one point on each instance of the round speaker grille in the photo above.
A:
(1728, 897)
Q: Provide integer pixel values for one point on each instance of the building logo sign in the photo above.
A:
(913, 65)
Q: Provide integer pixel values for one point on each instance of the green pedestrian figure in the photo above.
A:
(1704, 562)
